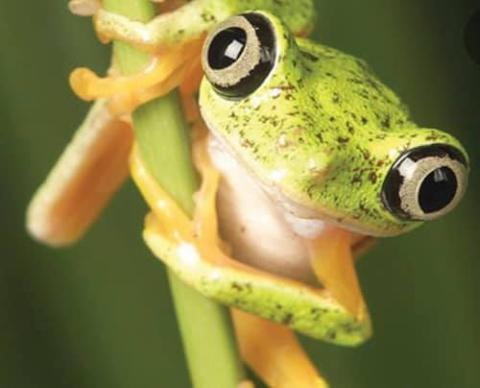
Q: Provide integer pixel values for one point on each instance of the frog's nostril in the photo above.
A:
(425, 182)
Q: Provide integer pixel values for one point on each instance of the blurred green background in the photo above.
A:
(99, 314)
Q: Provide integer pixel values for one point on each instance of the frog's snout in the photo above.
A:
(426, 182)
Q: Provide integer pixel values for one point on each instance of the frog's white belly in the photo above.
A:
(253, 225)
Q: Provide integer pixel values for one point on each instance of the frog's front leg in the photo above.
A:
(274, 353)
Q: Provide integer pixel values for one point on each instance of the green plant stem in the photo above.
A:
(161, 134)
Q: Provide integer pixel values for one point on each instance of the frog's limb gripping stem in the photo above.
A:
(274, 353)
(270, 349)
(182, 243)
(88, 173)
(282, 360)
(88, 86)
(126, 93)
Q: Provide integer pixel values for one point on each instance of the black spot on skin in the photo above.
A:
(310, 56)
(363, 208)
(287, 319)
(385, 123)
(310, 191)
(336, 98)
(331, 335)
(343, 140)
(236, 286)
(348, 328)
(373, 177)
(432, 137)
(366, 154)
(364, 120)
(246, 143)
(350, 127)
(382, 162)
(207, 17)
(364, 93)
(328, 74)
(356, 179)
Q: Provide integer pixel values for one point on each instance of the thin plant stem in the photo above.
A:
(162, 137)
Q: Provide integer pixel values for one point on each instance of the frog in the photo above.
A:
(311, 146)
(305, 157)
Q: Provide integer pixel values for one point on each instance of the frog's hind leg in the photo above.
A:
(89, 172)
(274, 353)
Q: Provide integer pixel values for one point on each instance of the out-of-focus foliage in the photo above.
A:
(99, 314)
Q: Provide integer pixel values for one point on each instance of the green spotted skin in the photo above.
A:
(322, 131)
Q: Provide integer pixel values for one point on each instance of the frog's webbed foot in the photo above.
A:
(163, 74)
(88, 173)
(274, 353)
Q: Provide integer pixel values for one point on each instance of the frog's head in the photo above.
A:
(322, 134)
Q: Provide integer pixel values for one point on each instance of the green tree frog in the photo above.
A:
(305, 156)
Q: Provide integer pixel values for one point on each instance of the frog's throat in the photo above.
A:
(300, 216)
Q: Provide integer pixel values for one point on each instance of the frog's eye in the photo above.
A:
(425, 182)
(239, 55)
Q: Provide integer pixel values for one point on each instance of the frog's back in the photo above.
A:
(345, 86)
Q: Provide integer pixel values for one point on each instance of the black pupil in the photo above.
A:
(438, 190)
(226, 47)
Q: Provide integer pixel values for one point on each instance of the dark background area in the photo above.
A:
(99, 314)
